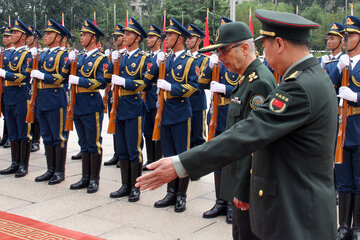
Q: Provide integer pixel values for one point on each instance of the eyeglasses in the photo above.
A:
(222, 51)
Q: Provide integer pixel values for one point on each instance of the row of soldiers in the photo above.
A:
(183, 123)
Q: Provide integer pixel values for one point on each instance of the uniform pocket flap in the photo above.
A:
(263, 186)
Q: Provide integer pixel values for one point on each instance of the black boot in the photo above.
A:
(135, 172)
(345, 212)
(77, 156)
(24, 159)
(125, 179)
(84, 181)
(228, 213)
(356, 218)
(60, 160)
(4, 138)
(219, 209)
(50, 161)
(170, 197)
(115, 159)
(150, 152)
(35, 128)
(118, 164)
(158, 151)
(180, 205)
(15, 159)
(95, 166)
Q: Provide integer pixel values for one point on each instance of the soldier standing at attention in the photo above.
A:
(35, 126)
(16, 77)
(91, 76)
(9, 49)
(120, 49)
(291, 137)
(179, 84)
(347, 174)
(51, 103)
(198, 100)
(131, 110)
(153, 148)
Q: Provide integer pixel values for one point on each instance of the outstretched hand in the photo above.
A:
(163, 172)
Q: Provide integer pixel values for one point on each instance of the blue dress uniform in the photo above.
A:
(129, 116)
(16, 95)
(51, 105)
(7, 54)
(153, 148)
(35, 126)
(347, 174)
(176, 117)
(115, 159)
(89, 110)
(198, 101)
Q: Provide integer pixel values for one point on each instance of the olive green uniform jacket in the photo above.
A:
(292, 137)
(250, 93)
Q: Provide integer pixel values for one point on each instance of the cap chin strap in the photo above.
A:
(117, 46)
(53, 40)
(133, 42)
(337, 45)
(19, 38)
(33, 41)
(176, 41)
(89, 41)
(354, 47)
(194, 43)
(154, 43)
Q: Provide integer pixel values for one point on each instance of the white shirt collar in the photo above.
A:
(10, 48)
(178, 53)
(354, 61)
(53, 49)
(195, 53)
(19, 48)
(297, 63)
(91, 52)
(336, 56)
(122, 50)
(156, 52)
(132, 52)
(63, 48)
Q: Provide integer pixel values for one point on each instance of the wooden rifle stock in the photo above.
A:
(160, 103)
(69, 125)
(214, 104)
(343, 113)
(30, 115)
(106, 97)
(1, 79)
(112, 119)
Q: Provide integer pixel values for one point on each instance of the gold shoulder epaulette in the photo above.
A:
(252, 76)
(294, 75)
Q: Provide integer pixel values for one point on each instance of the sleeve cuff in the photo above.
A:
(179, 168)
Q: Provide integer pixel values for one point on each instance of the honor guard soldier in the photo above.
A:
(9, 49)
(35, 126)
(347, 174)
(179, 84)
(225, 86)
(131, 110)
(198, 101)
(250, 92)
(51, 103)
(153, 148)
(90, 77)
(291, 137)
(16, 93)
(118, 41)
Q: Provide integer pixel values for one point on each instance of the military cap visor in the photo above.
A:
(176, 27)
(20, 26)
(135, 26)
(336, 29)
(195, 31)
(229, 33)
(119, 30)
(285, 25)
(90, 27)
(352, 24)
(7, 31)
(154, 31)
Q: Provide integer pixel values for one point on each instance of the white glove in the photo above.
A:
(37, 74)
(114, 56)
(2, 73)
(160, 57)
(117, 80)
(161, 83)
(217, 87)
(34, 52)
(214, 59)
(347, 94)
(107, 52)
(343, 62)
(74, 79)
(72, 56)
(324, 59)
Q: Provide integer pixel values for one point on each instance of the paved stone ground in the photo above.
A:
(99, 215)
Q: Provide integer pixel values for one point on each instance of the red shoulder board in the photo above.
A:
(66, 59)
(105, 66)
(28, 60)
(197, 70)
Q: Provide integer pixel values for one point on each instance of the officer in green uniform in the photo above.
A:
(291, 137)
(254, 86)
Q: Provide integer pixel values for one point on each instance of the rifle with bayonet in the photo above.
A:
(214, 104)
(115, 99)
(69, 125)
